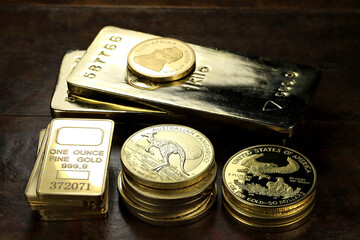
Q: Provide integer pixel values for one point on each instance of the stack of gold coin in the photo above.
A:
(269, 187)
(69, 179)
(168, 175)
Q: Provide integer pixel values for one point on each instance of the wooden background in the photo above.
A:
(34, 35)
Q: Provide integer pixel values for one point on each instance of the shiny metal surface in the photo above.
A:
(247, 91)
(167, 156)
(161, 59)
(64, 104)
(269, 177)
(269, 186)
(76, 159)
(170, 198)
(156, 217)
(30, 190)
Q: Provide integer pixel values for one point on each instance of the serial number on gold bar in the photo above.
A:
(76, 158)
(70, 185)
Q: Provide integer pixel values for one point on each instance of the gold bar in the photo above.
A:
(76, 159)
(30, 190)
(64, 104)
(74, 217)
(254, 93)
(98, 208)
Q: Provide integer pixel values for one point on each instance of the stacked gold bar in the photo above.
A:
(168, 175)
(130, 76)
(269, 187)
(69, 179)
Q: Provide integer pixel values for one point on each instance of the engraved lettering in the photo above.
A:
(70, 186)
(281, 94)
(74, 166)
(104, 54)
(59, 151)
(288, 152)
(268, 149)
(88, 159)
(89, 152)
(239, 194)
(95, 68)
(59, 159)
(99, 60)
(115, 39)
(305, 164)
(89, 75)
(241, 156)
(110, 46)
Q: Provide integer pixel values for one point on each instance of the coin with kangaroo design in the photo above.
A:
(167, 156)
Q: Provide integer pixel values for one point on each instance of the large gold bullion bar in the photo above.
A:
(76, 159)
(167, 156)
(65, 105)
(255, 93)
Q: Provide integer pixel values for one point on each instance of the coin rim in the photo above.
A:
(178, 76)
(311, 190)
(268, 227)
(169, 185)
(173, 196)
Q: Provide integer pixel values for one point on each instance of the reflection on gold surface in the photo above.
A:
(157, 59)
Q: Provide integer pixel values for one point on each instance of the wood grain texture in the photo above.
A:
(230, 4)
(34, 39)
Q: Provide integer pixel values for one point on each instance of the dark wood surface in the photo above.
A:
(35, 36)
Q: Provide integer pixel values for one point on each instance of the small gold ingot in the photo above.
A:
(76, 160)
(30, 190)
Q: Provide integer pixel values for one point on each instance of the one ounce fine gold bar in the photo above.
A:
(76, 159)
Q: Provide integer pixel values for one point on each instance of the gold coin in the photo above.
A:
(190, 217)
(167, 156)
(161, 59)
(171, 213)
(269, 226)
(173, 197)
(271, 218)
(269, 177)
(176, 208)
(273, 211)
(195, 216)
